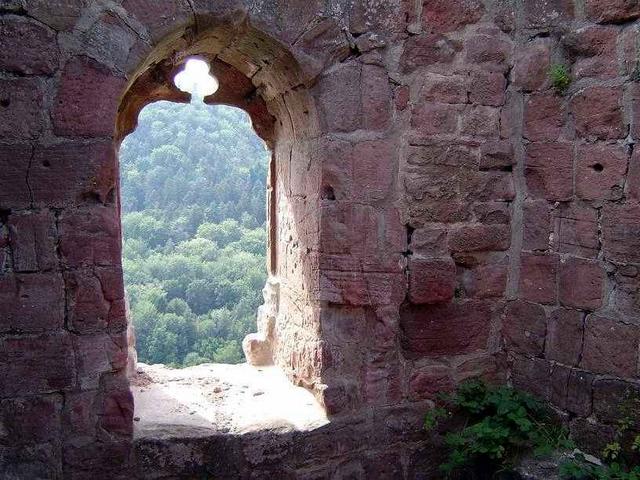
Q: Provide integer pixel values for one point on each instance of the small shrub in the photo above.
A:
(500, 424)
(621, 456)
(560, 78)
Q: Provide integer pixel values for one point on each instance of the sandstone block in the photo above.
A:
(598, 113)
(581, 283)
(610, 346)
(86, 87)
(612, 11)
(549, 171)
(21, 108)
(486, 281)
(376, 98)
(564, 336)
(531, 67)
(427, 51)
(536, 224)
(595, 51)
(538, 276)
(621, 232)
(576, 230)
(487, 88)
(32, 419)
(33, 241)
(31, 303)
(433, 118)
(600, 173)
(481, 121)
(523, 327)
(532, 375)
(340, 99)
(437, 18)
(28, 48)
(22, 360)
(544, 117)
(496, 155)
(90, 236)
(571, 389)
(426, 383)
(431, 280)
(14, 163)
(444, 88)
(475, 238)
(443, 330)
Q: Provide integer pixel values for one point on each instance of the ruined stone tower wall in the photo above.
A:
(438, 210)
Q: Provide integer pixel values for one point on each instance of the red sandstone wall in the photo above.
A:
(441, 212)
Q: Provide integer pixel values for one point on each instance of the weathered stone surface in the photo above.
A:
(403, 133)
(32, 238)
(31, 419)
(487, 88)
(31, 303)
(21, 115)
(571, 389)
(612, 11)
(437, 18)
(486, 281)
(549, 171)
(621, 232)
(57, 14)
(565, 332)
(14, 163)
(452, 329)
(610, 346)
(433, 118)
(544, 117)
(496, 155)
(537, 225)
(531, 65)
(428, 382)
(28, 48)
(595, 51)
(479, 238)
(90, 237)
(538, 278)
(22, 360)
(581, 283)
(159, 18)
(431, 280)
(428, 50)
(600, 172)
(86, 87)
(444, 88)
(598, 113)
(523, 327)
(532, 375)
(576, 230)
(612, 399)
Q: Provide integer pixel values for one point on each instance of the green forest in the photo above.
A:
(193, 215)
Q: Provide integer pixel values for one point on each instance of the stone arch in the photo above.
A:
(260, 75)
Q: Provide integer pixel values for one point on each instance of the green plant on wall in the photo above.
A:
(621, 457)
(499, 424)
(560, 78)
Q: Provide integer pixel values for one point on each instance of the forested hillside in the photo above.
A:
(193, 200)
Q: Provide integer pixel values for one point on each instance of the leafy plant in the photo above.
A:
(560, 78)
(500, 423)
(620, 458)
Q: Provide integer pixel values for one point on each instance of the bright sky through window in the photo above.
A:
(196, 79)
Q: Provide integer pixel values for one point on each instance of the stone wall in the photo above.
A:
(437, 210)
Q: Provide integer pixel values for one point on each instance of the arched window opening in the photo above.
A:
(196, 232)
(194, 237)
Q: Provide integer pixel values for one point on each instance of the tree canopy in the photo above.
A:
(193, 202)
